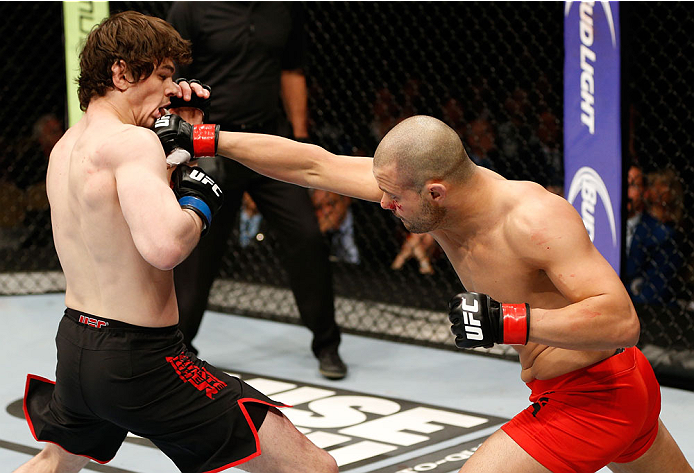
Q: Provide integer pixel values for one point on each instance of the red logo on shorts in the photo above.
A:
(93, 322)
(198, 376)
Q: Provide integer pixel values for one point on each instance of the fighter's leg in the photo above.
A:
(500, 453)
(663, 455)
(285, 449)
(51, 459)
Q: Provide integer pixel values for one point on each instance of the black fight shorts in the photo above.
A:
(113, 378)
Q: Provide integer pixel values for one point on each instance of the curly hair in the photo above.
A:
(142, 42)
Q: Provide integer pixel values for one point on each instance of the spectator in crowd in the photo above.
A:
(25, 218)
(336, 222)
(549, 152)
(480, 141)
(454, 116)
(514, 133)
(251, 54)
(412, 101)
(385, 113)
(653, 258)
(47, 130)
(636, 203)
(388, 110)
(249, 221)
(478, 96)
(12, 212)
(665, 197)
(421, 246)
(517, 138)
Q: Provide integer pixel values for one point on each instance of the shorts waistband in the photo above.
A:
(104, 323)
(622, 359)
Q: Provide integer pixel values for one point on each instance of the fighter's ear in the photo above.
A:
(120, 75)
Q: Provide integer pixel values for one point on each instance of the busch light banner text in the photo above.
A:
(592, 134)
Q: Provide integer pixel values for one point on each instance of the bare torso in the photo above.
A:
(487, 262)
(106, 275)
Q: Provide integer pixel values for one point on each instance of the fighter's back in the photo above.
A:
(106, 275)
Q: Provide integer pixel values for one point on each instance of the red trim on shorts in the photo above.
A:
(253, 429)
(31, 424)
(24, 403)
(515, 317)
(204, 140)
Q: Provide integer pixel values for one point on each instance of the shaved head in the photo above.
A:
(423, 148)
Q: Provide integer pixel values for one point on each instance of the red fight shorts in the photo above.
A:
(585, 419)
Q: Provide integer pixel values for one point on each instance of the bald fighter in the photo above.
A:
(121, 222)
(539, 285)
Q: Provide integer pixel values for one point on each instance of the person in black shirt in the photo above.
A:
(251, 54)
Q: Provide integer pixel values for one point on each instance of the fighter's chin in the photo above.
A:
(415, 229)
(418, 227)
(409, 227)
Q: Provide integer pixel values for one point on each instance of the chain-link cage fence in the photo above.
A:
(491, 70)
(33, 97)
(658, 84)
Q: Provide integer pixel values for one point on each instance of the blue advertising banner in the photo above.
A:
(592, 131)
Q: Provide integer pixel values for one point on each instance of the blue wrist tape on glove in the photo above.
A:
(197, 204)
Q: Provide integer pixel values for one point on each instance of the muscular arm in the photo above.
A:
(600, 315)
(302, 164)
(163, 233)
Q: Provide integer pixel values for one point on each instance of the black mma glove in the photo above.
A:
(184, 142)
(195, 190)
(195, 101)
(480, 321)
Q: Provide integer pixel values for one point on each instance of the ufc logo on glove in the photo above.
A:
(205, 179)
(162, 121)
(473, 326)
(480, 321)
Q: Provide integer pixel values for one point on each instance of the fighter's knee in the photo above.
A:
(330, 465)
(322, 462)
(54, 458)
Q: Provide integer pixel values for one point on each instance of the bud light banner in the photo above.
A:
(592, 134)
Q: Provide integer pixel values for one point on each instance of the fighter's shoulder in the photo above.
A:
(133, 142)
(66, 142)
(531, 201)
(537, 214)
